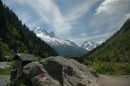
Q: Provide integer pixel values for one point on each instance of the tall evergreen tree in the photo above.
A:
(18, 38)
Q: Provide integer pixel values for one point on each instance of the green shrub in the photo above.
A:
(5, 71)
(111, 68)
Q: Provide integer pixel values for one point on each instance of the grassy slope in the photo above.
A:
(113, 56)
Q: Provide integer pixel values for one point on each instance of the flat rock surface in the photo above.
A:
(105, 80)
(4, 79)
(58, 71)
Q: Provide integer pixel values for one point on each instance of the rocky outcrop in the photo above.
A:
(58, 71)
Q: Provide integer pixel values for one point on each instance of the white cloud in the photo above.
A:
(28, 19)
(50, 14)
(79, 10)
(110, 16)
(24, 16)
(113, 6)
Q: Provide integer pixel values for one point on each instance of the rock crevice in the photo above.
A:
(58, 71)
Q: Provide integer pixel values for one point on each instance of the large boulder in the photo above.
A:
(58, 71)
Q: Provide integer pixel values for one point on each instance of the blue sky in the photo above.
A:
(75, 20)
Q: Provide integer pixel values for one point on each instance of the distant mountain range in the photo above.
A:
(63, 47)
(90, 45)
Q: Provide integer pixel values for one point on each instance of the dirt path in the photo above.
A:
(105, 80)
(4, 79)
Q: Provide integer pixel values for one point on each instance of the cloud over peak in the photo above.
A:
(73, 19)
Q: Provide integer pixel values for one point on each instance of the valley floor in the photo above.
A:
(106, 80)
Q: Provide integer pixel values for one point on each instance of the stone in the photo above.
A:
(58, 71)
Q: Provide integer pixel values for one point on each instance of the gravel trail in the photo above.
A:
(105, 80)
(4, 79)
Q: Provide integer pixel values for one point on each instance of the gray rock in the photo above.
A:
(58, 71)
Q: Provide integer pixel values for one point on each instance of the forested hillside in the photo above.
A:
(113, 56)
(17, 38)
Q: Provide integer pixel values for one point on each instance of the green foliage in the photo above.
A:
(112, 68)
(15, 37)
(115, 51)
(5, 51)
(5, 71)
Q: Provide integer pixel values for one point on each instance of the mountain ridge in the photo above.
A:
(16, 37)
(89, 45)
(63, 47)
(112, 56)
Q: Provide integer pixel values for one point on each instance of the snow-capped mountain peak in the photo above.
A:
(42, 32)
(90, 45)
(50, 37)
(63, 47)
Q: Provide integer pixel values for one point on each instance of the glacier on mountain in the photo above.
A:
(62, 47)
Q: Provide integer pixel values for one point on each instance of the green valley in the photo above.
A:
(113, 56)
